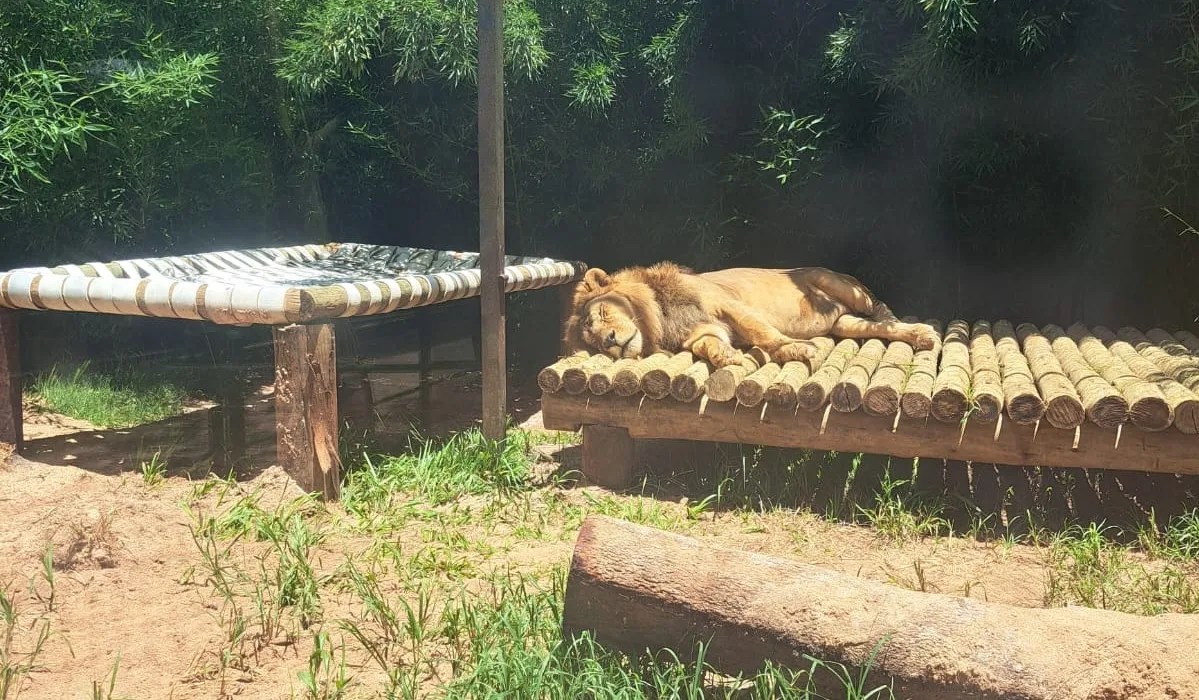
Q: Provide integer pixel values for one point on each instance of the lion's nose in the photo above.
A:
(611, 339)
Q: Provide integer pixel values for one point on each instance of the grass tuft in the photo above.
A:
(121, 399)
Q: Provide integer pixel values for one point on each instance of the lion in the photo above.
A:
(717, 316)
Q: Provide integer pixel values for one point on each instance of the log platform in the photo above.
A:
(1001, 393)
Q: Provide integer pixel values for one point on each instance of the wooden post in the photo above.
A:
(607, 456)
(227, 429)
(491, 216)
(11, 416)
(424, 340)
(306, 406)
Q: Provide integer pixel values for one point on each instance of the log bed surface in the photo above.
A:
(989, 392)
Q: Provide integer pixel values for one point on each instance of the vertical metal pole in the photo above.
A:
(491, 215)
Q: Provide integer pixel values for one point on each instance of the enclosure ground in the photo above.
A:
(209, 587)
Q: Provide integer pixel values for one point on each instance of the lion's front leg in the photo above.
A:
(755, 330)
(711, 342)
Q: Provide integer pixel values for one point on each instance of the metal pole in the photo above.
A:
(491, 216)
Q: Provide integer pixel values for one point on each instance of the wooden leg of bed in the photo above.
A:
(424, 334)
(11, 415)
(306, 407)
(607, 456)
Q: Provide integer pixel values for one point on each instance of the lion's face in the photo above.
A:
(609, 325)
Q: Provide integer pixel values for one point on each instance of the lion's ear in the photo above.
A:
(594, 279)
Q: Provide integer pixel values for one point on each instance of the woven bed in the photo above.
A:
(272, 286)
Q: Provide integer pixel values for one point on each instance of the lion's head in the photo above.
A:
(612, 315)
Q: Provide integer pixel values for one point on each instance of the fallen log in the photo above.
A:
(636, 589)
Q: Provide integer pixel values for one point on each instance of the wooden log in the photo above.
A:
(12, 417)
(600, 381)
(608, 454)
(722, 384)
(887, 383)
(951, 388)
(1063, 406)
(1167, 452)
(1024, 404)
(1147, 405)
(575, 378)
(752, 389)
(1183, 402)
(1102, 402)
(986, 377)
(783, 392)
(917, 398)
(848, 391)
(813, 392)
(493, 299)
(1169, 355)
(689, 385)
(627, 381)
(1189, 340)
(656, 382)
(635, 588)
(306, 407)
(550, 378)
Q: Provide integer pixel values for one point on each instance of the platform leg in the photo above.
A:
(11, 415)
(306, 407)
(608, 456)
(424, 335)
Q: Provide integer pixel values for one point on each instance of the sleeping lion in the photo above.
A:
(716, 315)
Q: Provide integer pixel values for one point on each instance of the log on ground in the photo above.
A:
(636, 588)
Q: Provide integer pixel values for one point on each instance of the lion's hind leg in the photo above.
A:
(853, 294)
(921, 336)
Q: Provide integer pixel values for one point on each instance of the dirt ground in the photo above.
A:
(125, 560)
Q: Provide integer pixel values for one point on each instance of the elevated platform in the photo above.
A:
(995, 393)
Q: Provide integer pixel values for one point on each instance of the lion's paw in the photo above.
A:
(718, 353)
(924, 337)
(795, 352)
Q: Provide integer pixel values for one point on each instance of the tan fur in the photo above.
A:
(716, 315)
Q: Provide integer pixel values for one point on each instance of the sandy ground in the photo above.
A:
(124, 557)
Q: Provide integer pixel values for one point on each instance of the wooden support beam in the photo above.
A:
(306, 406)
(227, 430)
(607, 456)
(424, 339)
(11, 414)
(491, 217)
(1168, 452)
(636, 588)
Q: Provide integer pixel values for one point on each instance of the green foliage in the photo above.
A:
(120, 399)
